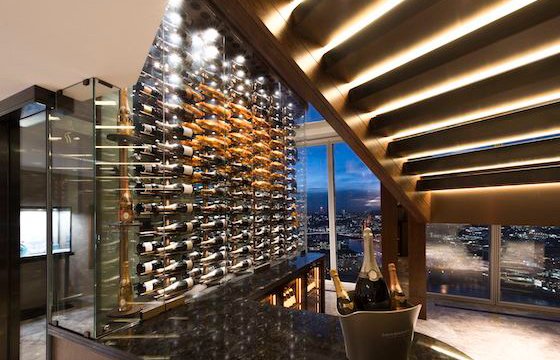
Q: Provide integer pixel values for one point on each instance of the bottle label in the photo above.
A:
(190, 282)
(148, 267)
(148, 246)
(187, 151)
(187, 170)
(189, 208)
(187, 189)
(149, 285)
(187, 132)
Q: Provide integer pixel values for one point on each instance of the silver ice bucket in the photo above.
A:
(379, 335)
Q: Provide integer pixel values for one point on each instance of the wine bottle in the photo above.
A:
(242, 222)
(244, 236)
(214, 274)
(184, 284)
(242, 250)
(176, 208)
(153, 169)
(216, 240)
(398, 298)
(181, 226)
(344, 304)
(151, 285)
(240, 209)
(242, 265)
(217, 256)
(176, 266)
(157, 189)
(195, 255)
(371, 290)
(149, 266)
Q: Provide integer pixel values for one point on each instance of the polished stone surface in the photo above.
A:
(229, 323)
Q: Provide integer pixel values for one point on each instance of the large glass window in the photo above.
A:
(530, 265)
(317, 201)
(457, 258)
(357, 194)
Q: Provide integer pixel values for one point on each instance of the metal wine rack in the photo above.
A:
(213, 175)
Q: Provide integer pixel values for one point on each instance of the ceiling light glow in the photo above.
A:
(455, 32)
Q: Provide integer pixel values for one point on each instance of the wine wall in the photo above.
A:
(214, 185)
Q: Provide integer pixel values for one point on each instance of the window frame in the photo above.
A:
(494, 269)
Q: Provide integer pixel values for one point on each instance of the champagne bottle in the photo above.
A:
(243, 236)
(371, 290)
(217, 256)
(151, 285)
(216, 240)
(398, 298)
(176, 266)
(344, 304)
(214, 274)
(242, 265)
(242, 250)
(184, 284)
(263, 257)
(149, 267)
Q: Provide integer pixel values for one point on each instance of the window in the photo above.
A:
(530, 265)
(313, 115)
(317, 201)
(457, 259)
(357, 194)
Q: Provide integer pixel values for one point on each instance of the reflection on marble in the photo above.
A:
(33, 344)
(229, 323)
(486, 336)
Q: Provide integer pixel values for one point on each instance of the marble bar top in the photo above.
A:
(229, 323)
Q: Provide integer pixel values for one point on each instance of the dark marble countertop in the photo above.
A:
(229, 323)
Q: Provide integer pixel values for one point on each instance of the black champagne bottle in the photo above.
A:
(371, 290)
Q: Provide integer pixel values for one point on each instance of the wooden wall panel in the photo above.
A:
(505, 205)
(389, 229)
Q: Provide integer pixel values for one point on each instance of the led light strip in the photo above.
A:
(474, 23)
(504, 108)
(359, 22)
(464, 147)
(492, 167)
(473, 77)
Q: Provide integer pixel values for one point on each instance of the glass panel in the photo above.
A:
(530, 265)
(33, 232)
(357, 193)
(457, 258)
(313, 115)
(72, 192)
(317, 201)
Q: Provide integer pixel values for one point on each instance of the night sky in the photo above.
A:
(357, 189)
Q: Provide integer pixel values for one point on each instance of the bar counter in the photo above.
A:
(229, 323)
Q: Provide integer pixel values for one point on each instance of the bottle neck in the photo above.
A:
(369, 265)
(394, 280)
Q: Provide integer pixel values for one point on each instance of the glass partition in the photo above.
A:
(33, 231)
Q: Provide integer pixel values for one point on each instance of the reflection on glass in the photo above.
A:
(457, 258)
(313, 115)
(530, 265)
(33, 231)
(71, 172)
(33, 239)
(317, 201)
(357, 196)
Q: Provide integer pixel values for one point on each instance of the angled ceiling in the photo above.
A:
(57, 43)
(453, 104)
